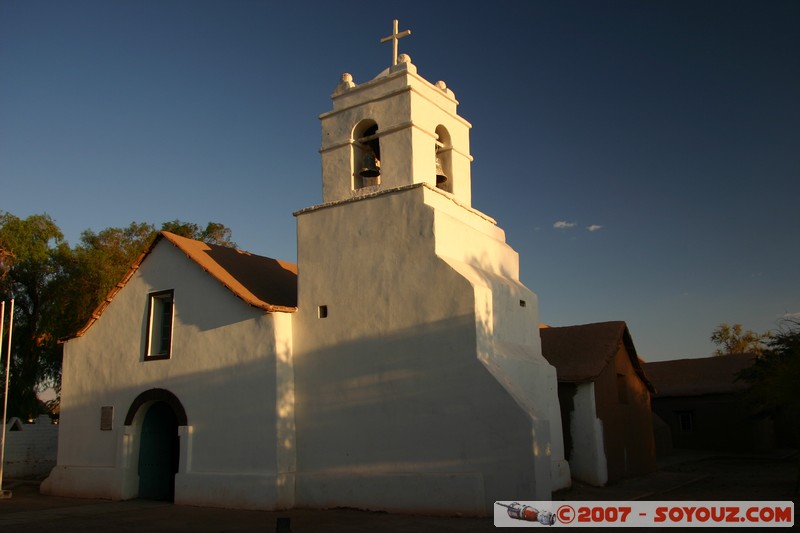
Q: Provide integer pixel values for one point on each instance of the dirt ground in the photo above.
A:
(699, 476)
(733, 478)
(687, 477)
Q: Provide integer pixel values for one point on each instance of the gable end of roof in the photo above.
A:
(251, 278)
(581, 353)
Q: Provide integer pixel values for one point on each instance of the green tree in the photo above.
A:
(214, 232)
(773, 380)
(732, 340)
(101, 259)
(98, 262)
(33, 254)
(56, 289)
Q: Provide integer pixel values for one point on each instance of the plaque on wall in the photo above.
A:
(106, 418)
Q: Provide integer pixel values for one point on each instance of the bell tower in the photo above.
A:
(419, 378)
(397, 129)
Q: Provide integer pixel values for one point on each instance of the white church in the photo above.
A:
(396, 367)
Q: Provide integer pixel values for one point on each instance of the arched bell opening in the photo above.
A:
(366, 155)
(444, 159)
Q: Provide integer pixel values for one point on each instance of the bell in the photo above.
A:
(441, 177)
(369, 172)
(372, 166)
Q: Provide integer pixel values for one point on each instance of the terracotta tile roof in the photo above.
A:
(580, 353)
(695, 377)
(262, 282)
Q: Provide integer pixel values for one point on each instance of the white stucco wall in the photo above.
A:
(505, 311)
(404, 401)
(588, 458)
(238, 447)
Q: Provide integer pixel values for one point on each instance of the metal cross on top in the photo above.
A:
(394, 37)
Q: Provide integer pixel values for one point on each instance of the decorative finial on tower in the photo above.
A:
(345, 83)
(394, 37)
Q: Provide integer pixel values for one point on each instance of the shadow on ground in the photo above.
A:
(684, 476)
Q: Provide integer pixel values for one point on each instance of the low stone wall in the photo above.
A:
(30, 448)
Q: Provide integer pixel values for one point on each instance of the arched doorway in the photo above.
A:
(159, 450)
(158, 413)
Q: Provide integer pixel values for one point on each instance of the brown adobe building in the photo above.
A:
(702, 403)
(605, 401)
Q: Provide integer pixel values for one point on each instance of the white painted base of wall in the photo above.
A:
(561, 476)
(235, 491)
(588, 458)
(239, 491)
(84, 482)
(419, 493)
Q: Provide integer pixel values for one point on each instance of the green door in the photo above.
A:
(158, 453)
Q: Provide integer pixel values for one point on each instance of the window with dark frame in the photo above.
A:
(159, 325)
(686, 420)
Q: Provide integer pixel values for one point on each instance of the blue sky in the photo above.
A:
(671, 128)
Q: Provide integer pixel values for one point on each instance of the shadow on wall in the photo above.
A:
(416, 401)
(269, 279)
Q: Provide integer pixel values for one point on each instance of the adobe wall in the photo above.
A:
(30, 449)
(226, 358)
(722, 422)
(623, 404)
(398, 402)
